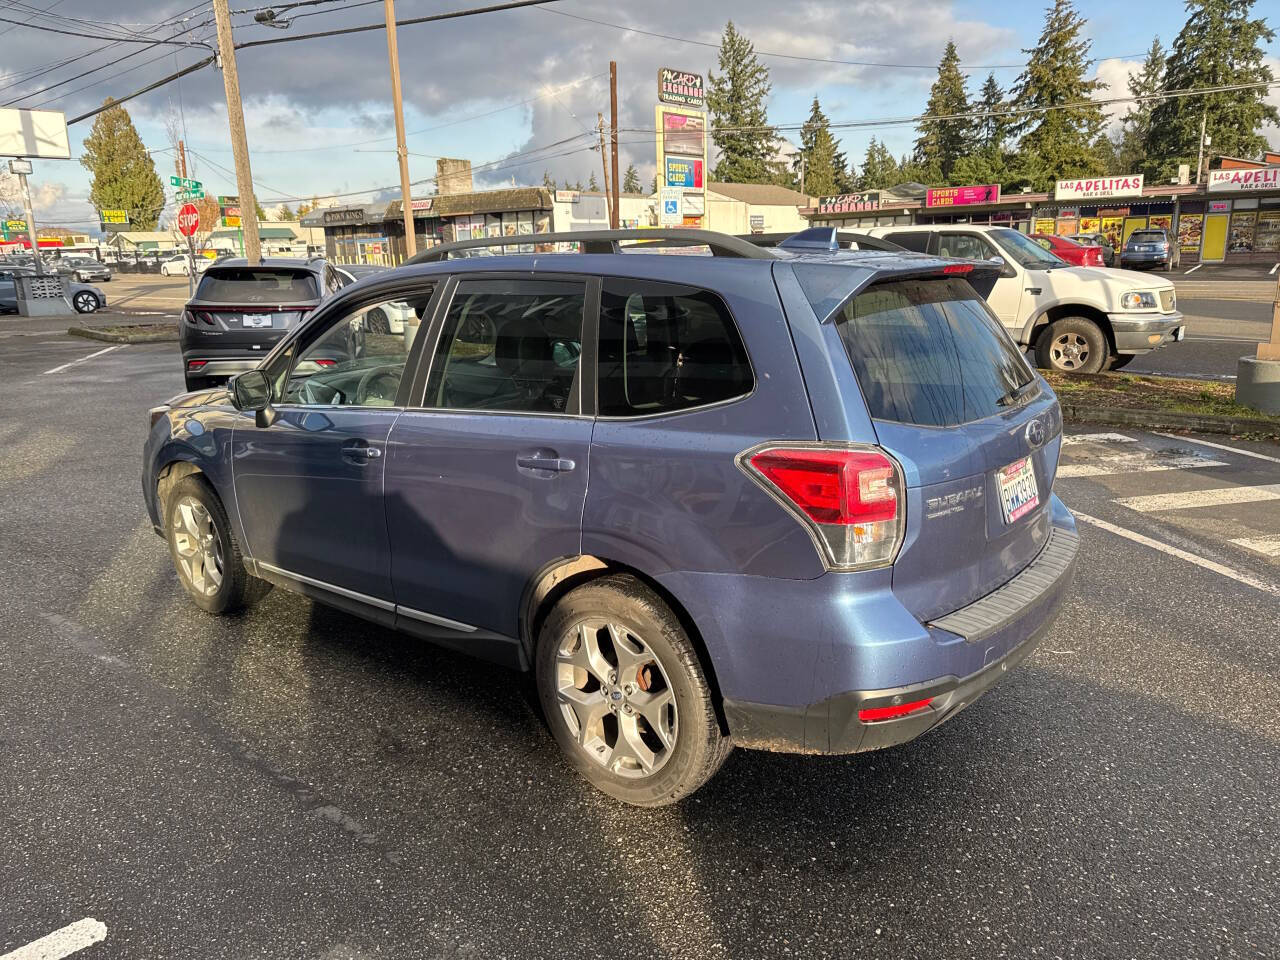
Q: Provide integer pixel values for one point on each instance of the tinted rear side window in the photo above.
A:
(666, 347)
(257, 285)
(916, 241)
(928, 352)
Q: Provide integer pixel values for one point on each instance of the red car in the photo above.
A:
(1078, 254)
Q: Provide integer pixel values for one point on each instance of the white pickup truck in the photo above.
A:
(1077, 319)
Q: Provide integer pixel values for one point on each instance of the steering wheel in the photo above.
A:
(380, 383)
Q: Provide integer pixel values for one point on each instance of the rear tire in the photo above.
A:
(1072, 345)
(205, 552)
(625, 695)
(377, 321)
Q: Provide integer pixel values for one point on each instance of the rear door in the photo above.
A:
(954, 402)
(1005, 296)
(487, 470)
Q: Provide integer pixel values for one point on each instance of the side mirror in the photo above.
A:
(251, 393)
(998, 261)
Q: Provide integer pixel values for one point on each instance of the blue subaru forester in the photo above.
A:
(796, 499)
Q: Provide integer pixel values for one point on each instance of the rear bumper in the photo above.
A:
(998, 632)
(1142, 333)
(1147, 258)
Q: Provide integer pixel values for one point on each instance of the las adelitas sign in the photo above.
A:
(1259, 178)
(1099, 188)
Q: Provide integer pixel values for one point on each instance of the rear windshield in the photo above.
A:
(257, 285)
(1146, 236)
(929, 352)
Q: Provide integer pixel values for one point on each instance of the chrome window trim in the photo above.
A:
(438, 621)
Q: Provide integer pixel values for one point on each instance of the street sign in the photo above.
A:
(20, 166)
(185, 183)
(672, 214)
(183, 195)
(188, 219)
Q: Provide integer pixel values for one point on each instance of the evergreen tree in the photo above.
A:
(846, 178)
(991, 131)
(737, 100)
(1135, 134)
(653, 188)
(822, 170)
(879, 169)
(592, 184)
(285, 212)
(942, 142)
(1060, 142)
(1219, 45)
(548, 181)
(631, 180)
(123, 174)
(578, 186)
(258, 210)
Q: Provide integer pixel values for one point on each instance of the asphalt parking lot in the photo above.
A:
(299, 783)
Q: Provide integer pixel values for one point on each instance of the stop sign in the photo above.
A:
(188, 219)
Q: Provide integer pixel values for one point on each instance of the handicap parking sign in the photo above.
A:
(671, 207)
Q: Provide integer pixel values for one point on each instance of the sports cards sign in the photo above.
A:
(684, 172)
(1098, 188)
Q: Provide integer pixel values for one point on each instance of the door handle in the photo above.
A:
(359, 451)
(541, 462)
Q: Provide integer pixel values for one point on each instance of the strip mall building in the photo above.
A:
(1233, 217)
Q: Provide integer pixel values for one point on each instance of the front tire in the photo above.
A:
(1072, 345)
(85, 302)
(205, 552)
(625, 695)
(1120, 360)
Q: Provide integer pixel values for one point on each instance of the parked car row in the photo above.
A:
(84, 297)
(820, 518)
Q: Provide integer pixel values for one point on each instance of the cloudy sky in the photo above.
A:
(516, 92)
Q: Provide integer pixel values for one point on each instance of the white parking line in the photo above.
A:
(1193, 269)
(1267, 546)
(62, 943)
(1133, 463)
(1222, 446)
(1074, 438)
(1188, 500)
(1234, 574)
(72, 364)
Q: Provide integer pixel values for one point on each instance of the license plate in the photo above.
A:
(251, 321)
(1019, 494)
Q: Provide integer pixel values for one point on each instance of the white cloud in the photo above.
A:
(1116, 74)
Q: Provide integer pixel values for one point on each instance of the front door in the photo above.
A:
(1215, 238)
(309, 487)
(1005, 297)
(487, 472)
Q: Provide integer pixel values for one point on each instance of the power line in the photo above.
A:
(192, 68)
(793, 56)
(90, 36)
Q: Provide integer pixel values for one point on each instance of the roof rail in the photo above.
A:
(607, 241)
(815, 238)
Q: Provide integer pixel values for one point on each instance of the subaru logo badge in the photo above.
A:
(1035, 434)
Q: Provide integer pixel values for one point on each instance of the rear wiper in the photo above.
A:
(1017, 393)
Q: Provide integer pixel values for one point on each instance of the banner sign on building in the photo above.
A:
(684, 133)
(1239, 181)
(422, 204)
(337, 217)
(1190, 229)
(962, 196)
(850, 202)
(681, 87)
(568, 196)
(1098, 188)
(684, 173)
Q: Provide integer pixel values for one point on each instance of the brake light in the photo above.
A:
(849, 498)
(324, 362)
(189, 317)
(196, 364)
(957, 268)
(872, 714)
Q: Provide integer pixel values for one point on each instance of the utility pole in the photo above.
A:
(406, 202)
(32, 234)
(1200, 151)
(239, 141)
(604, 168)
(191, 244)
(615, 217)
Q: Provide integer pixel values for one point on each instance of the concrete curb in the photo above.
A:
(161, 336)
(1164, 420)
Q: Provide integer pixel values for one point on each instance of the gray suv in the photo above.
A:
(239, 312)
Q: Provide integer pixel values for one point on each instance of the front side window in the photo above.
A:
(964, 246)
(929, 352)
(360, 359)
(510, 346)
(1024, 251)
(666, 347)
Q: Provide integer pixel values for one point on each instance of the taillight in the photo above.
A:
(957, 268)
(196, 364)
(872, 714)
(206, 317)
(189, 317)
(324, 362)
(849, 498)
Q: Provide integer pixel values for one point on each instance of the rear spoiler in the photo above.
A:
(820, 239)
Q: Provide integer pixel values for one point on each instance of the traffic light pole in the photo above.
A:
(239, 140)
